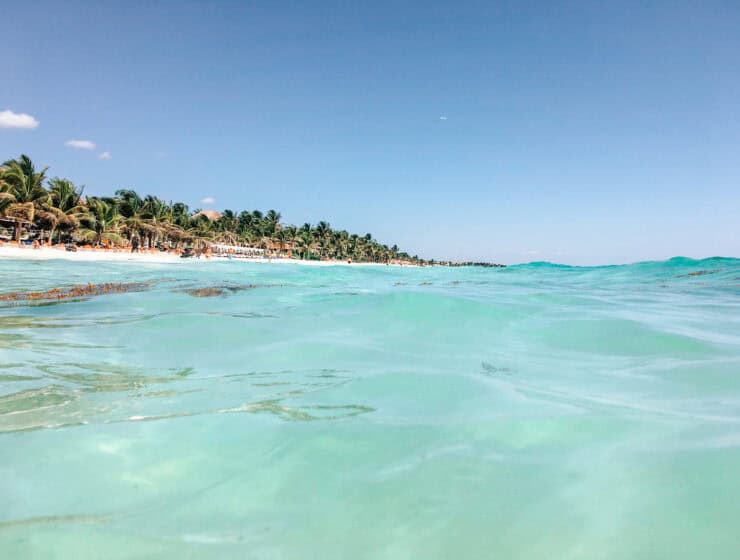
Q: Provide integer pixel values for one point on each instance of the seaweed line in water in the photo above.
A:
(220, 290)
(74, 292)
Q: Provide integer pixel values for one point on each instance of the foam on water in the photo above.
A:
(238, 410)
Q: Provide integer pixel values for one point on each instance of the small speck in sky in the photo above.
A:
(442, 118)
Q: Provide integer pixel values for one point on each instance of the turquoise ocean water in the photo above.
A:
(537, 411)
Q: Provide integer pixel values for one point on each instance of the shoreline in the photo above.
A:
(95, 255)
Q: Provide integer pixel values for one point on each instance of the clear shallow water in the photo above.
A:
(533, 412)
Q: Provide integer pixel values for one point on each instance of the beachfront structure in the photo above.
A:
(219, 249)
(212, 215)
(12, 228)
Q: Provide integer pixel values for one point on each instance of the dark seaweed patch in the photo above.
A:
(204, 292)
(224, 289)
(78, 292)
(490, 369)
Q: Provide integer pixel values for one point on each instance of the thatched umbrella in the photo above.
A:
(17, 215)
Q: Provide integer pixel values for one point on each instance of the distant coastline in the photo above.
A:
(11, 251)
(24, 252)
(45, 212)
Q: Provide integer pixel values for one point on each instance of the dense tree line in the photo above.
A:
(57, 211)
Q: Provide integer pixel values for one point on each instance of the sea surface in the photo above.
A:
(241, 410)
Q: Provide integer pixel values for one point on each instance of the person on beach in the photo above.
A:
(135, 245)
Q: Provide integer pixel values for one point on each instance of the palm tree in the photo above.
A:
(245, 222)
(6, 195)
(131, 208)
(321, 232)
(245, 238)
(200, 231)
(306, 241)
(157, 215)
(66, 206)
(103, 223)
(227, 237)
(26, 191)
(129, 202)
(290, 238)
(227, 221)
(180, 216)
(272, 222)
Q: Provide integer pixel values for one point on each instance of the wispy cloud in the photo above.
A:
(208, 200)
(9, 119)
(105, 155)
(442, 118)
(80, 144)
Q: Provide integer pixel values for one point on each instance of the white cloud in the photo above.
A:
(442, 118)
(80, 144)
(105, 155)
(208, 200)
(9, 119)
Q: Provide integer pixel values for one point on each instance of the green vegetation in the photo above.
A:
(56, 211)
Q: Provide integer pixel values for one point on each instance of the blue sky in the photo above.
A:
(508, 131)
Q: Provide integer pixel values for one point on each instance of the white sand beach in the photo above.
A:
(8, 251)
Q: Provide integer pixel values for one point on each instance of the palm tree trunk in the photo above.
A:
(18, 228)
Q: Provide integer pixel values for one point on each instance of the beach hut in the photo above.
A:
(10, 226)
(212, 215)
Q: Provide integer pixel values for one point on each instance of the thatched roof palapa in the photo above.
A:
(212, 215)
